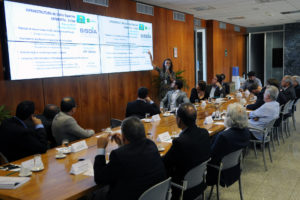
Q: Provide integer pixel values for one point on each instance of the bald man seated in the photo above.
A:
(64, 126)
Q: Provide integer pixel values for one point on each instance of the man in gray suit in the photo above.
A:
(175, 97)
(64, 126)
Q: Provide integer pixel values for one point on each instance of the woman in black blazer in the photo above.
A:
(199, 93)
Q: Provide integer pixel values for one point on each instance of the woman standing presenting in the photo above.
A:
(166, 74)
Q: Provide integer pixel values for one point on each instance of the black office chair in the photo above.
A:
(115, 123)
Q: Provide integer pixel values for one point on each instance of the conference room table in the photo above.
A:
(56, 182)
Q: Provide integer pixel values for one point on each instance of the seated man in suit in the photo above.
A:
(287, 88)
(199, 93)
(142, 105)
(260, 117)
(190, 149)
(251, 79)
(225, 85)
(47, 117)
(296, 84)
(215, 90)
(22, 135)
(235, 137)
(175, 97)
(259, 93)
(133, 168)
(64, 126)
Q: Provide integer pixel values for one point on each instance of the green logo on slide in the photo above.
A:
(141, 27)
(80, 19)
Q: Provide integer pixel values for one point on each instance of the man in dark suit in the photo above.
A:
(215, 90)
(296, 84)
(190, 149)
(287, 88)
(259, 93)
(236, 137)
(133, 168)
(224, 85)
(47, 117)
(142, 105)
(22, 135)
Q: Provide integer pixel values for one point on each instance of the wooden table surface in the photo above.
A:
(56, 182)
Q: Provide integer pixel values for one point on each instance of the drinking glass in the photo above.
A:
(147, 115)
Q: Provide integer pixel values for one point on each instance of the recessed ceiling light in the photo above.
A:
(202, 8)
(290, 12)
(236, 18)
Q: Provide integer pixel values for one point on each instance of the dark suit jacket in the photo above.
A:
(194, 96)
(18, 142)
(132, 169)
(48, 124)
(139, 108)
(297, 91)
(217, 93)
(259, 101)
(226, 142)
(289, 94)
(190, 149)
(226, 88)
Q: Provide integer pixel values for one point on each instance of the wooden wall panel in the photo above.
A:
(13, 92)
(94, 101)
(217, 41)
(123, 88)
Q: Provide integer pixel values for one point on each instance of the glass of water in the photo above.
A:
(147, 115)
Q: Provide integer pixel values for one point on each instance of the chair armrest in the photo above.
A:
(255, 129)
(182, 187)
(214, 166)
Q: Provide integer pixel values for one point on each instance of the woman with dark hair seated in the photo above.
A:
(199, 93)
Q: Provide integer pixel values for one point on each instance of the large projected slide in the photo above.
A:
(46, 42)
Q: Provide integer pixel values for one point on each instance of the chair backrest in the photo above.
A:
(3, 159)
(291, 105)
(286, 108)
(158, 191)
(115, 123)
(196, 175)
(231, 159)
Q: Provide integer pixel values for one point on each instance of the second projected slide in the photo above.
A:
(124, 45)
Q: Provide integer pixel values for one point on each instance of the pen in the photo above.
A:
(11, 173)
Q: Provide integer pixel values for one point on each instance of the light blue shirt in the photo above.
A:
(266, 113)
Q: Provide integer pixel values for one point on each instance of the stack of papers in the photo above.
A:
(12, 182)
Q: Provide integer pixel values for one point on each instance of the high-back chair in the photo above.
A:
(229, 161)
(115, 123)
(194, 177)
(159, 191)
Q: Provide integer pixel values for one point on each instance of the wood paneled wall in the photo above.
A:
(101, 97)
(217, 41)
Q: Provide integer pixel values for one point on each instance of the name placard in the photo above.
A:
(78, 146)
(164, 137)
(81, 166)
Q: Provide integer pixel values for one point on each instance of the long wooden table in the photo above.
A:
(56, 182)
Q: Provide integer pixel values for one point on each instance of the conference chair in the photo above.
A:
(194, 177)
(159, 191)
(229, 161)
(265, 140)
(293, 112)
(3, 159)
(115, 123)
(275, 130)
(286, 114)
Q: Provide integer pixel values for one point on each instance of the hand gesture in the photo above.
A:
(103, 140)
(35, 120)
(117, 138)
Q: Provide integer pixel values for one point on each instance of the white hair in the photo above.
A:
(272, 91)
(288, 79)
(297, 79)
(236, 116)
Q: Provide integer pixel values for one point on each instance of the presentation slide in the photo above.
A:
(45, 42)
